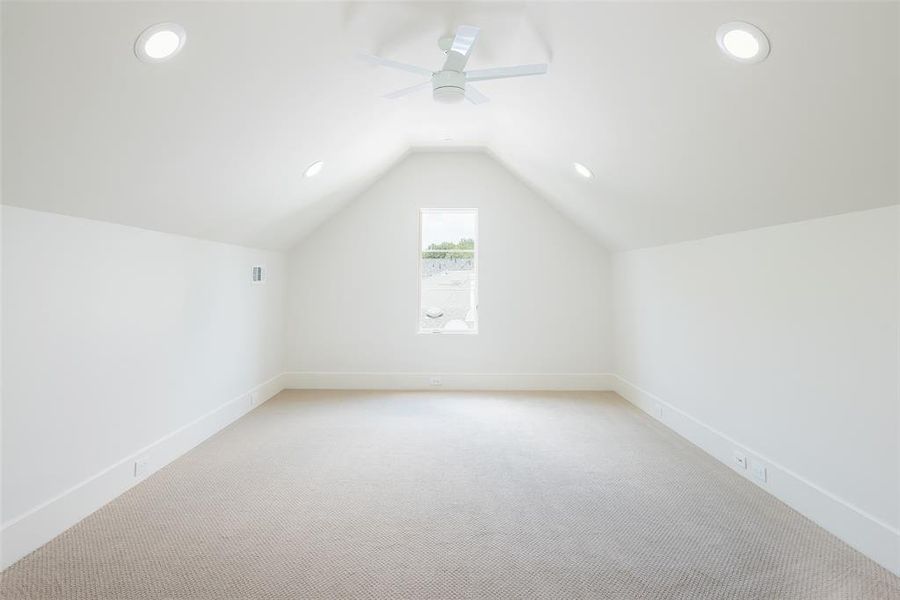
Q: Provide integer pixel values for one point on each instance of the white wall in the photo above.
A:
(113, 338)
(543, 283)
(783, 340)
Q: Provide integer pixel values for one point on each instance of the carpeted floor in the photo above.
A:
(345, 495)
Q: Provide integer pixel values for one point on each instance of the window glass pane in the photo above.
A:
(448, 267)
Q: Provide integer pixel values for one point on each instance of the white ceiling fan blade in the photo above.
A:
(407, 91)
(461, 48)
(504, 72)
(465, 39)
(393, 64)
(474, 96)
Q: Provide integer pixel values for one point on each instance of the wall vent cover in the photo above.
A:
(258, 274)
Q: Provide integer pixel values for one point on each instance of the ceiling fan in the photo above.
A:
(453, 83)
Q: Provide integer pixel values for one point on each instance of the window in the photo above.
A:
(448, 270)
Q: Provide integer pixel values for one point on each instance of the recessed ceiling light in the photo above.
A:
(160, 42)
(583, 170)
(743, 42)
(313, 169)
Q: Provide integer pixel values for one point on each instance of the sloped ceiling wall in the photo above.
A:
(684, 142)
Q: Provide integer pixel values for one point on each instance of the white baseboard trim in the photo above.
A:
(873, 537)
(868, 534)
(31, 530)
(449, 381)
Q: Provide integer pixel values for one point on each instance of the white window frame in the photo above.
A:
(419, 251)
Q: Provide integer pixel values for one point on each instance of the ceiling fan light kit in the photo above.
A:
(448, 86)
(452, 83)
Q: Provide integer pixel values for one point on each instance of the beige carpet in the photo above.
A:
(410, 495)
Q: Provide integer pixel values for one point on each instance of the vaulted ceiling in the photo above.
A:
(684, 142)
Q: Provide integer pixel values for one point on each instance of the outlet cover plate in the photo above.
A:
(759, 471)
(141, 466)
(740, 459)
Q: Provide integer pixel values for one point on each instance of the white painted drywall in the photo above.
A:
(785, 340)
(544, 289)
(114, 337)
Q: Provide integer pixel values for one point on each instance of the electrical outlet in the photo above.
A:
(141, 466)
(254, 398)
(658, 410)
(436, 381)
(759, 471)
(740, 459)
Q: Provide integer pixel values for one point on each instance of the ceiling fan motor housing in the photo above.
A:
(449, 86)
